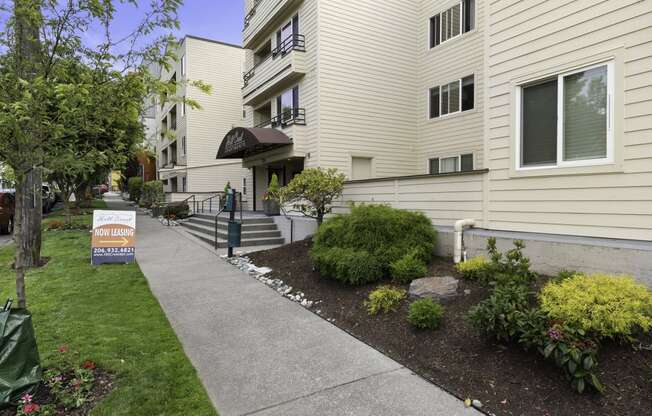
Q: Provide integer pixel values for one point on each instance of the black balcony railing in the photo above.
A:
(291, 43)
(287, 118)
(251, 14)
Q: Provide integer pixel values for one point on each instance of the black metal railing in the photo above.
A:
(213, 201)
(287, 118)
(291, 43)
(251, 14)
(167, 207)
(248, 75)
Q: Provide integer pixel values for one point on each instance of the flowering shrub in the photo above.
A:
(26, 406)
(603, 305)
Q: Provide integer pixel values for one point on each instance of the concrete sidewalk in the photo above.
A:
(258, 353)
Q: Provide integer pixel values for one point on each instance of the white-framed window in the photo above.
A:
(244, 186)
(451, 98)
(184, 184)
(451, 164)
(452, 22)
(566, 120)
(184, 62)
(183, 146)
(183, 107)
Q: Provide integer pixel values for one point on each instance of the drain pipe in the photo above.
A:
(459, 238)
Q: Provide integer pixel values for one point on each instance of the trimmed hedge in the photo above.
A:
(152, 194)
(360, 247)
(135, 187)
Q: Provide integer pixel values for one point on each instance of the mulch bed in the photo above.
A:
(102, 386)
(507, 380)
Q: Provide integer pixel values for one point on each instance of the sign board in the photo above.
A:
(114, 237)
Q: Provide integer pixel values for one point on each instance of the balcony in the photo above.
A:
(295, 116)
(285, 66)
(262, 17)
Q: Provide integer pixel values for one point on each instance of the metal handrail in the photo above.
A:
(210, 202)
(185, 201)
(294, 42)
(287, 118)
(251, 13)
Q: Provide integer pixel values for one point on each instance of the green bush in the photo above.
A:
(135, 186)
(176, 210)
(509, 267)
(425, 314)
(475, 268)
(385, 299)
(604, 305)
(408, 268)
(152, 194)
(351, 267)
(498, 315)
(385, 233)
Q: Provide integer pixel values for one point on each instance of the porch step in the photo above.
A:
(255, 231)
(222, 224)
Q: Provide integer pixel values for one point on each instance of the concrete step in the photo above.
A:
(245, 243)
(222, 224)
(224, 217)
(221, 232)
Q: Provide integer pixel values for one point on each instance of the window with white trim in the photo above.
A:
(183, 65)
(452, 22)
(461, 163)
(452, 98)
(244, 186)
(183, 107)
(567, 120)
(183, 146)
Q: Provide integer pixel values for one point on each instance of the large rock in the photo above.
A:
(437, 288)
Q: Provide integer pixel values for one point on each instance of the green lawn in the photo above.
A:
(110, 316)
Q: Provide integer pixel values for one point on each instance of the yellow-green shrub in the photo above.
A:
(385, 299)
(474, 268)
(607, 306)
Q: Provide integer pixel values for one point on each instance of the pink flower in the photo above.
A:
(27, 398)
(554, 334)
(58, 378)
(89, 365)
(31, 408)
(63, 349)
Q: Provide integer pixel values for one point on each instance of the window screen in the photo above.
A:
(448, 165)
(539, 124)
(585, 115)
(454, 97)
(444, 100)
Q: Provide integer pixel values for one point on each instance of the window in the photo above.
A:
(452, 22)
(567, 120)
(183, 107)
(244, 186)
(287, 104)
(184, 184)
(450, 98)
(183, 145)
(183, 65)
(287, 36)
(462, 163)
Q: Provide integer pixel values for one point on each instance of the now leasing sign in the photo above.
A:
(114, 237)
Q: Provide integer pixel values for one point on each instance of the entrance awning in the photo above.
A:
(242, 142)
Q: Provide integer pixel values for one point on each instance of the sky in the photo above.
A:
(214, 19)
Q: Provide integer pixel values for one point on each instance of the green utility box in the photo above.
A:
(234, 234)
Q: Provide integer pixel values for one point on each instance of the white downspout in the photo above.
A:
(459, 231)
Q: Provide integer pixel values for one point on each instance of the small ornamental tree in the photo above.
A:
(312, 192)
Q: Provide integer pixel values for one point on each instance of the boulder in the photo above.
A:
(438, 288)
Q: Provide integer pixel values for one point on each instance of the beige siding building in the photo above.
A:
(189, 138)
(534, 119)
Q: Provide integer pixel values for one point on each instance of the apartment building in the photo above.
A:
(187, 139)
(532, 118)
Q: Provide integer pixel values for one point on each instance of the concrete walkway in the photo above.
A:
(258, 353)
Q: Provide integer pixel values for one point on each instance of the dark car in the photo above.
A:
(7, 210)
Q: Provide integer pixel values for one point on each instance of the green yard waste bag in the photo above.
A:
(20, 366)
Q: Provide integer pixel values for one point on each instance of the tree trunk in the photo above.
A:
(27, 230)
(66, 207)
(27, 50)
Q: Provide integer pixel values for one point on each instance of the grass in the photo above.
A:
(108, 314)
